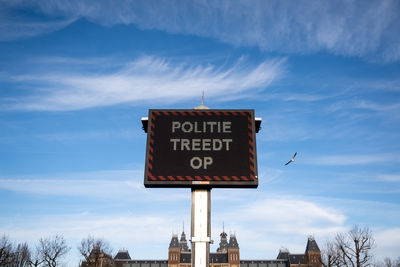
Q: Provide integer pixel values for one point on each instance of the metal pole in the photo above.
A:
(201, 227)
(201, 220)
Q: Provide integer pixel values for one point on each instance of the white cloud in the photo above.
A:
(337, 160)
(262, 227)
(377, 107)
(147, 236)
(91, 185)
(265, 222)
(388, 243)
(12, 29)
(389, 177)
(89, 135)
(144, 235)
(147, 79)
(87, 188)
(387, 109)
(351, 28)
(80, 225)
(278, 214)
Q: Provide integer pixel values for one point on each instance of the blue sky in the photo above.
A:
(77, 76)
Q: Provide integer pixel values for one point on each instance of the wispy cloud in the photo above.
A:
(95, 185)
(363, 104)
(83, 188)
(15, 29)
(146, 236)
(89, 135)
(340, 160)
(388, 243)
(389, 177)
(265, 225)
(284, 210)
(351, 105)
(296, 97)
(271, 222)
(143, 80)
(269, 215)
(350, 28)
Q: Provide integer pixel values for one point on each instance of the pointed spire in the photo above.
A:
(183, 242)
(223, 244)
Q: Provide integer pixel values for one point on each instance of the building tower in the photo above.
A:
(223, 244)
(174, 252)
(233, 252)
(313, 253)
(183, 242)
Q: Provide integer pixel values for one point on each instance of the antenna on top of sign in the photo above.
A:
(202, 102)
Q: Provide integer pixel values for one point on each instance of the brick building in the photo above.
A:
(227, 255)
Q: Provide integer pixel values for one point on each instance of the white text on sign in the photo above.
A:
(202, 127)
(201, 144)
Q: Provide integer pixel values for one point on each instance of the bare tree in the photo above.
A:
(355, 247)
(52, 249)
(35, 259)
(22, 255)
(95, 252)
(6, 253)
(388, 262)
(330, 255)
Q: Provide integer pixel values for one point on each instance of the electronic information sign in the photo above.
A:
(201, 148)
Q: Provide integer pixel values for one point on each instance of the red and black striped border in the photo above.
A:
(190, 113)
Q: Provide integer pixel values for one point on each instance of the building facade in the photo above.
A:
(227, 255)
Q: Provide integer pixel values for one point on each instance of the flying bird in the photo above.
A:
(292, 159)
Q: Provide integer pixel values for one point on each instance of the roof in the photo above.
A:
(283, 254)
(263, 262)
(312, 245)
(233, 242)
(174, 242)
(297, 258)
(218, 257)
(148, 261)
(122, 255)
(186, 257)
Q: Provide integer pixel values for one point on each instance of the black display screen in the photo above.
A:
(201, 148)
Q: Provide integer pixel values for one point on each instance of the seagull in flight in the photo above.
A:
(292, 159)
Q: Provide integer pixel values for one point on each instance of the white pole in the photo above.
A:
(201, 221)
(201, 227)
